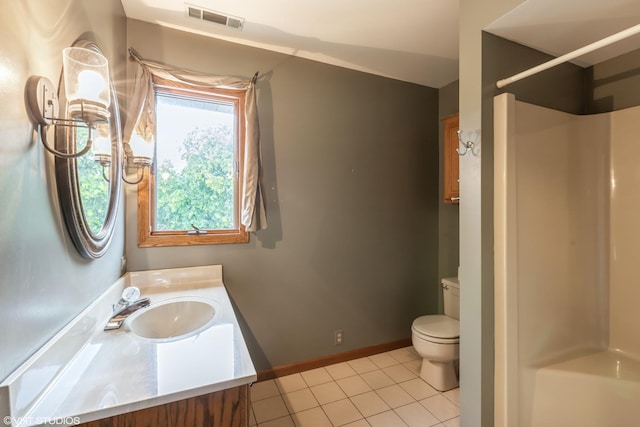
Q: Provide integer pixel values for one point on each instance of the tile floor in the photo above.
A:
(383, 390)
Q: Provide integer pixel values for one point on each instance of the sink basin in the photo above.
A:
(173, 319)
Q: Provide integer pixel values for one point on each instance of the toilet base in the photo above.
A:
(440, 375)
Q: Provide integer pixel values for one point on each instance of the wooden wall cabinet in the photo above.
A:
(451, 160)
(226, 408)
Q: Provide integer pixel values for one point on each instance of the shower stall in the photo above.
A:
(567, 258)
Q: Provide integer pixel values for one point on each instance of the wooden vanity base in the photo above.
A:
(226, 408)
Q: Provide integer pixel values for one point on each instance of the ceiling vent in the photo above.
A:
(197, 12)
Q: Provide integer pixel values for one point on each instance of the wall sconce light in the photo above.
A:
(101, 146)
(139, 152)
(88, 93)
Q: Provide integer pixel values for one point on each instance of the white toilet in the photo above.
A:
(436, 338)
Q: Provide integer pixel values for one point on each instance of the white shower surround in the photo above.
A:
(565, 235)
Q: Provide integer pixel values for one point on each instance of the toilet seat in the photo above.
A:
(437, 328)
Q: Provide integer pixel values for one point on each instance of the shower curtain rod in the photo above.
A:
(569, 56)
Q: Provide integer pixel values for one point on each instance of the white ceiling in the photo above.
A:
(561, 26)
(410, 40)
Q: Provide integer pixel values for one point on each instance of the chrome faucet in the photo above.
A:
(127, 305)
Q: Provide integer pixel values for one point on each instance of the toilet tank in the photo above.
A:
(451, 295)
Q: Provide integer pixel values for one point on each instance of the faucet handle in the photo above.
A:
(130, 294)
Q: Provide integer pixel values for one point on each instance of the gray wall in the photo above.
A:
(44, 283)
(614, 84)
(351, 182)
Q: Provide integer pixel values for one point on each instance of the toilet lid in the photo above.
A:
(438, 326)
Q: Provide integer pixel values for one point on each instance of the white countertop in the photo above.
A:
(114, 372)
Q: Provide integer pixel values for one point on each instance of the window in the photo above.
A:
(192, 195)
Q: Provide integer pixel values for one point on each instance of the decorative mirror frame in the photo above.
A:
(89, 244)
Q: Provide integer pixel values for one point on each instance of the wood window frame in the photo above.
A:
(147, 235)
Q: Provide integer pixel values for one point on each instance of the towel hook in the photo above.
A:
(465, 146)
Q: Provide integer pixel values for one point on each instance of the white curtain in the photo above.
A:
(141, 120)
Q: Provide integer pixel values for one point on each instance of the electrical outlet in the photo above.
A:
(337, 337)
(123, 264)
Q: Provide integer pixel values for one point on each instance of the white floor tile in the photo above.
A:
(316, 376)
(279, 422)
(414, 366)
(269, 409)
(359, 423)
(453, 422)
(383, 390)
(405, 354)
(362, 365)
(369, 404)
(300, 400)
(329, 392)
(383, 360)
(340, 370)
(416, 415)
(441, 407)
(394, 396)
(453, 396)
(399, 373)
(418, 389)
(311, 418)
(264, 389)
(341, 412)
(377, 379)
(290, 383)
(353, 385)
(386, 419)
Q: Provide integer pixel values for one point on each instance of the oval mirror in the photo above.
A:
(89, 186)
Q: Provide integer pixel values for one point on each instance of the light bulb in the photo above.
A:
(90, 85)
(101, 146)
(142, 148)
(86, 84)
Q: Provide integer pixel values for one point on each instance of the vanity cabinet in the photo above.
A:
(451, 160)
(226, 408)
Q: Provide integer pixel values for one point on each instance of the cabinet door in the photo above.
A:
(451, 160)
(226, 408)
